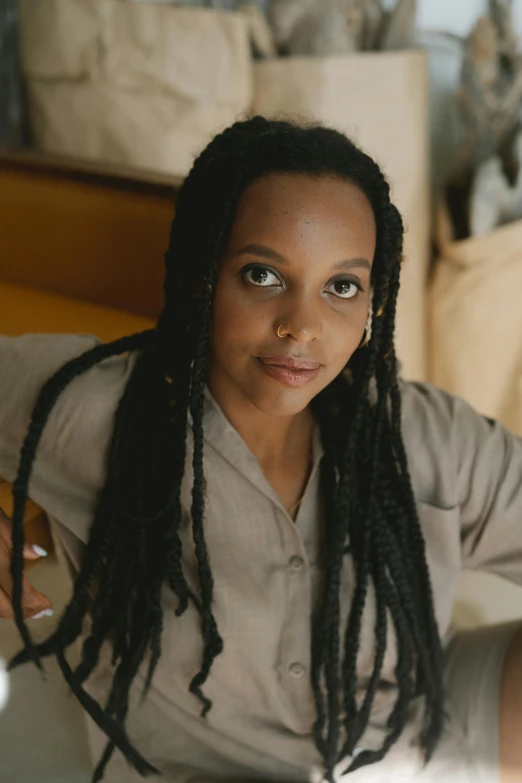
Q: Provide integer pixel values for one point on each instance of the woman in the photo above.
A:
(265, 524)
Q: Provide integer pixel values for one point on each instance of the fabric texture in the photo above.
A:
(467, 478)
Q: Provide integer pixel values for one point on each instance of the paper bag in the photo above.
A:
(380, 100)
(146, 85)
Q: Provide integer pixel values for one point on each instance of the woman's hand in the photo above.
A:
(34, 603)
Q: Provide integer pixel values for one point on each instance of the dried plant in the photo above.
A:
(489, 98)
(327, 27)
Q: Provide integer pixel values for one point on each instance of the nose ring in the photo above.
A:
(278, 328)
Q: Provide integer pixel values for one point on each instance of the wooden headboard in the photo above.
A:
(78, 230)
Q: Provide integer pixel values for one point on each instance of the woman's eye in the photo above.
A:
(345, 289)
(261, 277)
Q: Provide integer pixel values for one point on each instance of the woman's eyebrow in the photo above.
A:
(350, 263)
(264, 252)
(273, 255)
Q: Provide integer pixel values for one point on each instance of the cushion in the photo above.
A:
(25, 310)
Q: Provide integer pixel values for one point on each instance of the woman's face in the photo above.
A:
(299, 257)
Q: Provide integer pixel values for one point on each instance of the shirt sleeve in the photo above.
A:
(71, 460)
(489, 489)
(463, 459)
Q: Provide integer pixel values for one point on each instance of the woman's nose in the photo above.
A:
(302, 322)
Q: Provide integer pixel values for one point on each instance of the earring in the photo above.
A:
(281, 335)
(364, 339)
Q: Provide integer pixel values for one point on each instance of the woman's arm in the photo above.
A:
(459, 458)
(489, 486)
(70, 465)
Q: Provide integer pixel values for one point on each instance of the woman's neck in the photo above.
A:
(274, 440)
(283, 445)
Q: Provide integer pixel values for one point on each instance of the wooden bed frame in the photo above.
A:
(81, 249)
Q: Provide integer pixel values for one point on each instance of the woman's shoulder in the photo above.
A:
(424, 404)
(441, 433)
(89, 399)
(76, 435)
(32, 356)
(436, 419)
(28, 360)
(43, 351)
(430, 407)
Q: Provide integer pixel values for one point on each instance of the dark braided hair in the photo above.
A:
(135, 546)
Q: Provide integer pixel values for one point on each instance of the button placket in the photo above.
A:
(296, 669)
(294, 658)
(296, 563)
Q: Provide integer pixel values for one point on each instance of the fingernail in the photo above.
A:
(39, 550)
(43, 613)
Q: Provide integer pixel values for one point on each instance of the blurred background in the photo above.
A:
(103, 106)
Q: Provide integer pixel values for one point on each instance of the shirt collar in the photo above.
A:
(223, 437)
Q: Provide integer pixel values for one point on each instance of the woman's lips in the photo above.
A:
(288, 375)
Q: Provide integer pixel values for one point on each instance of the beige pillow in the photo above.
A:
(475, 322)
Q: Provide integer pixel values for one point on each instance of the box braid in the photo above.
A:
(135, 546)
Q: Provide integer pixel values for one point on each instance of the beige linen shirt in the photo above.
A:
(467, 478)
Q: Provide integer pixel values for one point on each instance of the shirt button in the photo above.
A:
(296, 669)
(296, 563)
